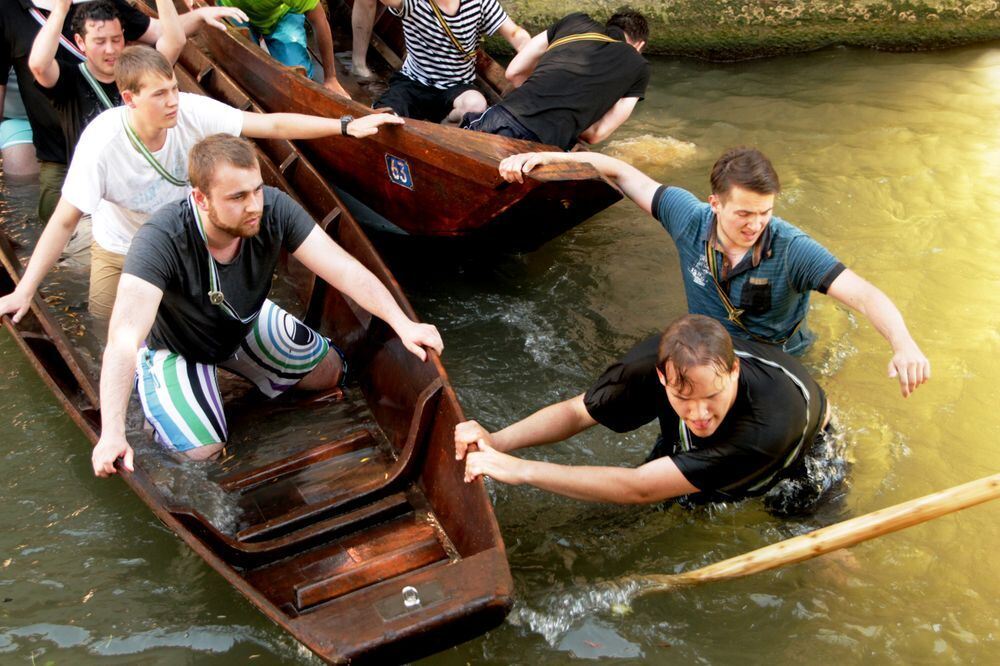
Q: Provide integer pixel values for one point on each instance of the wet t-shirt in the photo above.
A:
(76, 102)
(575, 84)
(760, 434)
(169, 253)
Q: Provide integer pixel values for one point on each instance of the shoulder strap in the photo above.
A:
(466, 55)
(66, 44)
(96, 86)
(581, 37)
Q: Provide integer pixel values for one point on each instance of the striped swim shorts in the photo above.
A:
(181, 398)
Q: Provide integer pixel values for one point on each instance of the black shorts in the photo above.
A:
(498, 120)
(412, 99)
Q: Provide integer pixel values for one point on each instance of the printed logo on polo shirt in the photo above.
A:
(699, 271)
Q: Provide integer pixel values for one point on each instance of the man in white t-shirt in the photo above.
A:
(131, 160)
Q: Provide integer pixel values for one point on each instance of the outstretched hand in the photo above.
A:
(368, 125)
(513, 168)
(420, 337)
(214, 16)
(108, 450)
(911, 367)
(15, 305)
(487, 461)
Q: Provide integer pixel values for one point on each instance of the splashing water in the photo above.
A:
(648, 151)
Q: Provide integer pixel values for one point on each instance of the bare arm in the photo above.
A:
(908, 363)
(515, 35)
(300, 126)
(51, 243)
(42, 59)
(523, 64)
(636, 185)
(324, 41)
(656, 480)
(346, 274)
(610, 121)
(135, 310)
(171, 40)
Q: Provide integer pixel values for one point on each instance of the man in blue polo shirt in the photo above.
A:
(751, 271)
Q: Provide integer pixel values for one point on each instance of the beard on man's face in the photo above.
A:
(241, 229)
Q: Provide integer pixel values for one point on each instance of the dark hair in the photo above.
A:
(692, 341)
(207, 154)
(98, 12)
(631, 22)
(747, 168)
(137, 61)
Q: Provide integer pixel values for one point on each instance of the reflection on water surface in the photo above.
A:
(891, 161)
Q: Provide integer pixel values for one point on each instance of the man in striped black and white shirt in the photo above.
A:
(442, 38)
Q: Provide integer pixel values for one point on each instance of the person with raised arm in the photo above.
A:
(740, 264)
(193, 298)
(132, 160)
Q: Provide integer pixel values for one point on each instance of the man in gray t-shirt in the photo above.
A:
(194, 288)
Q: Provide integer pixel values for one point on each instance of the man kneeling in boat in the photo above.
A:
(130, 161)
(578, 80)
(193, 297)
(737, 419)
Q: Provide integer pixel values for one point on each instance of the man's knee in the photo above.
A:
(328, 374)
(206, 452)
(471, 101)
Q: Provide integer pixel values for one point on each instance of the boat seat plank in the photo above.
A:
(296, 462)
(264, 552)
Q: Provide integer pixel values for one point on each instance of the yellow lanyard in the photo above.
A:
(582, 37)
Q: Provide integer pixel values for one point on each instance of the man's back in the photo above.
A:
(574, 84)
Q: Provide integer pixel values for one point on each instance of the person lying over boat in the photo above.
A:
(743, 266)
(20, 22)
(737, 419)
(193, 298)
(576, 81)
(131, 160)
(442, 39)
(282, 26)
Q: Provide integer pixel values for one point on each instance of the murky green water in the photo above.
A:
(892, 161)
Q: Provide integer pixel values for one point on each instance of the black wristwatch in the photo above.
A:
(344, 122)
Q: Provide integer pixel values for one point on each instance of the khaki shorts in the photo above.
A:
(105, 271)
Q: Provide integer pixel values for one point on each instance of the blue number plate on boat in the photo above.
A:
(399, 171)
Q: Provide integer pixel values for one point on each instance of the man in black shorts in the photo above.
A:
(442, 40)
(737, 419)
(193, 297)
(578, 80)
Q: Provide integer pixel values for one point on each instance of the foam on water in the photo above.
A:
(647, 151)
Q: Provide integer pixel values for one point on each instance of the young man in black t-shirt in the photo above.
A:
(737, 419)
(577, 81)
(193, 297)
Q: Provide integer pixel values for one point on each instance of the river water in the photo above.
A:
(891, 161)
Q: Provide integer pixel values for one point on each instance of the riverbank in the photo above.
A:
(725, 30)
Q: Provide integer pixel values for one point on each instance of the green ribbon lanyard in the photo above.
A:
(215, 295)
(96, 86)
(144, 151)
(582, 37)
(685, 435)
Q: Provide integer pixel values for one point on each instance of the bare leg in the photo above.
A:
(326, 375)
(362, 20)
(471, 101)
(19, 161)
(204, 452)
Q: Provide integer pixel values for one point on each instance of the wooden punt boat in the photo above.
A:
(425, 179)
(362, 541)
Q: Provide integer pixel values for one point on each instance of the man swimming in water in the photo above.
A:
(737, 419)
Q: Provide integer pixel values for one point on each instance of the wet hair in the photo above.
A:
(631, 22)
(208, 154)
(98, 12)
(135, 63)
(747, 168)
(692, 341)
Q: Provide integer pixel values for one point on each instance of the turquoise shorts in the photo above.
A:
(14, 131)
(181, 398)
